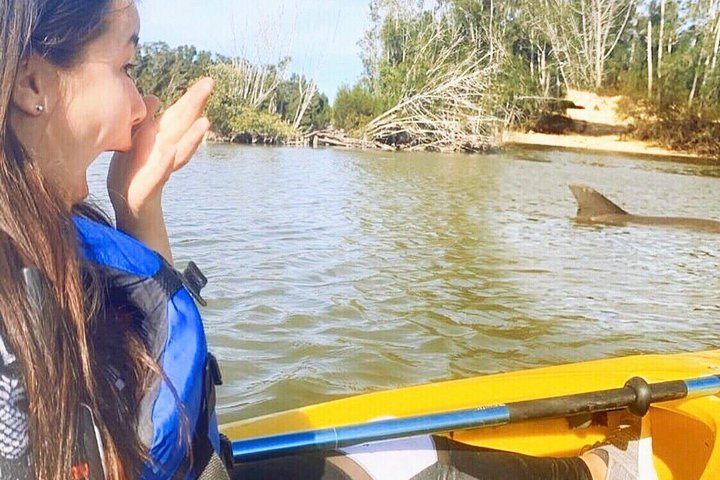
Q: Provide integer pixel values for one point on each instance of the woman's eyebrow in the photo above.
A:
(135, 39)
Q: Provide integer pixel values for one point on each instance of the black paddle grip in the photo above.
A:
(636, 395)
(643, 396)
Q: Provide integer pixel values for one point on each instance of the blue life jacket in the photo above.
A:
(174, 333)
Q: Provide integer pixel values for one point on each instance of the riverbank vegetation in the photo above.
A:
(252, 103)
(454, 76)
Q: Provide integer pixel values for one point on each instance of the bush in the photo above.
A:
(355, 107)
(236, 121)
(683, 130)
(254, 126)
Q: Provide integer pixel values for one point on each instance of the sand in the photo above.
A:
(600, 111)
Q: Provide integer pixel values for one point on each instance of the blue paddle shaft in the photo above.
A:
(704, 386)
(636, 391)
(333, 438)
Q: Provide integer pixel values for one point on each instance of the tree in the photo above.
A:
(298, 102)
(705, 15)
(380, 46)
(436, 76)
(583, 35)
(239, 107)
(165, 72)
(355, 107)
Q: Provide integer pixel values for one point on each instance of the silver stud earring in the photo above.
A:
(39, 108)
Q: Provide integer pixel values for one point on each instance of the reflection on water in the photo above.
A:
(336, 272)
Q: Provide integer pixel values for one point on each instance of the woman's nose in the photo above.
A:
(139, 109)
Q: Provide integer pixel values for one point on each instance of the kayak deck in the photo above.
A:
(683, 432)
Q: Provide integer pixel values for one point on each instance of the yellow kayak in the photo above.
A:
(683, 431)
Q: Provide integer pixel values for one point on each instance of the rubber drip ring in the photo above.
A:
(643, 396)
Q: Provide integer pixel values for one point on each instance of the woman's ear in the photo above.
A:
(33, 84)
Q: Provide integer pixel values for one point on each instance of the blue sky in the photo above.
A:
(321, 36)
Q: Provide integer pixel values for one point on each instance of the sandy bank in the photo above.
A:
(599, 115)
(605, 143)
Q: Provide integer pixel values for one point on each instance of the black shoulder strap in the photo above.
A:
(203, 450)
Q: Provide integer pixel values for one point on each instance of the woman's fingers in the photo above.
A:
(180, 116)
(151, 177)
(189, 143)
(162, 166)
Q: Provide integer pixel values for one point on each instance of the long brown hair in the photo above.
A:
(62, 350)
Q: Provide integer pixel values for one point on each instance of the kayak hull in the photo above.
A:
(683, 431)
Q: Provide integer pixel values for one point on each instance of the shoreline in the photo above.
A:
(595, 126)
(598, 144)
(608, 144)
(603, 129)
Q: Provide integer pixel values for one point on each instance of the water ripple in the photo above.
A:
(336, 272)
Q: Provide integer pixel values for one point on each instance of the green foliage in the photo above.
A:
(288, 100)
(407, 47)
(233, 111)
(355, 107)
(682, 110)
(268, 127)
(697, 132)
(516, 80)
(318, 116)
(232, 117)
(166, 72)
(223, 107)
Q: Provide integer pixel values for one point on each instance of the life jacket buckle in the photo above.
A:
(194, 280)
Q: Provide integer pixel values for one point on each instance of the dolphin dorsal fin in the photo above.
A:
(591, 203)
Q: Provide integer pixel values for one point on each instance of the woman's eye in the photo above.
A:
(129, 68)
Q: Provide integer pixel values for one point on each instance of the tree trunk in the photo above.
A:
(532, 59)
(599, 47)
(716, 47)
(544, 72)
(696, 77)
(691, 98)
(660, 39)
(649, 59)
(307, 93)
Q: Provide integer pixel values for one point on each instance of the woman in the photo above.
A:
(65, 97)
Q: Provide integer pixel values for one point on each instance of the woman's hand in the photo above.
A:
(161, 145)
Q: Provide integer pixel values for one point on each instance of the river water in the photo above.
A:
(338, 272)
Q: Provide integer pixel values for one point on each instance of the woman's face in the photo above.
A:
(92, 106)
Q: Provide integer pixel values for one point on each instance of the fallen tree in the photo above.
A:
(452, 112)
(454, 106)
(337, 138)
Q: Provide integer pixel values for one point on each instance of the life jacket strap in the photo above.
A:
(191, 278)
(203, 450)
